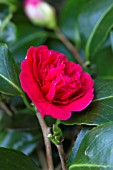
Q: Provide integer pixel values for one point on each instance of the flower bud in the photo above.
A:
(40, 13)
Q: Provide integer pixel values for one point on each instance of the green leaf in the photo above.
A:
(100, 31)
(27, 35)
(5, 18)
(23, 141)
(90, 16)
(68, 19)
(103, 61)
(11, 3)
(24, 120)
(111, 39)
(78, 18)
(9, 79)
(9, 34)
(22, 44)
(96, 150)
(5, 120)
(100, 110)
(14, 160)
(77, 143)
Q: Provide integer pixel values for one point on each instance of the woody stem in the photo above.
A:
(46, 132)
(70, 46)
(62, 156)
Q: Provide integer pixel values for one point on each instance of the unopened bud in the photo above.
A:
(40, 13)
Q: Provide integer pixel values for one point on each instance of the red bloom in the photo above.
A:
(56, 86)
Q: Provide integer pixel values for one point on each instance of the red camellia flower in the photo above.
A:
(56, 86)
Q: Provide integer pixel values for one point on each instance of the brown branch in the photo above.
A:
(79, 127)
(46, 131)
(42, 159)
(58, 167)
(5, 109)
(70, 46)
(62, 156)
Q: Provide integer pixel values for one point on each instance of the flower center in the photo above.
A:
(60, 84)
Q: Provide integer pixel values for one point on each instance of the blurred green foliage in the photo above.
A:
(88, 25)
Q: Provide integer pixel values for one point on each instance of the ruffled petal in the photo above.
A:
(29, 84)
(57, 87)
(48, 109)
(82, 102)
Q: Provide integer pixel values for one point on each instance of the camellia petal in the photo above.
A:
(57, 112)
(56, 86)
(29, 84)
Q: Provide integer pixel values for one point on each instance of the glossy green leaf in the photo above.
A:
(100, 110)
(9, 79)
(90, 18)
(96, 150)
(23, 120)
(100, 31)
(103, 61)
(20, 48)
(9, 34)
(111, 39)
(5, 120)
(23, 141)
(5, 18)
(14, 160)
(77, 143)
(68, 20)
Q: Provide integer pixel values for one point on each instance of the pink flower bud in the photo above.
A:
(40, 13)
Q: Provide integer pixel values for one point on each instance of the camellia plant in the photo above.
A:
(56, 85)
